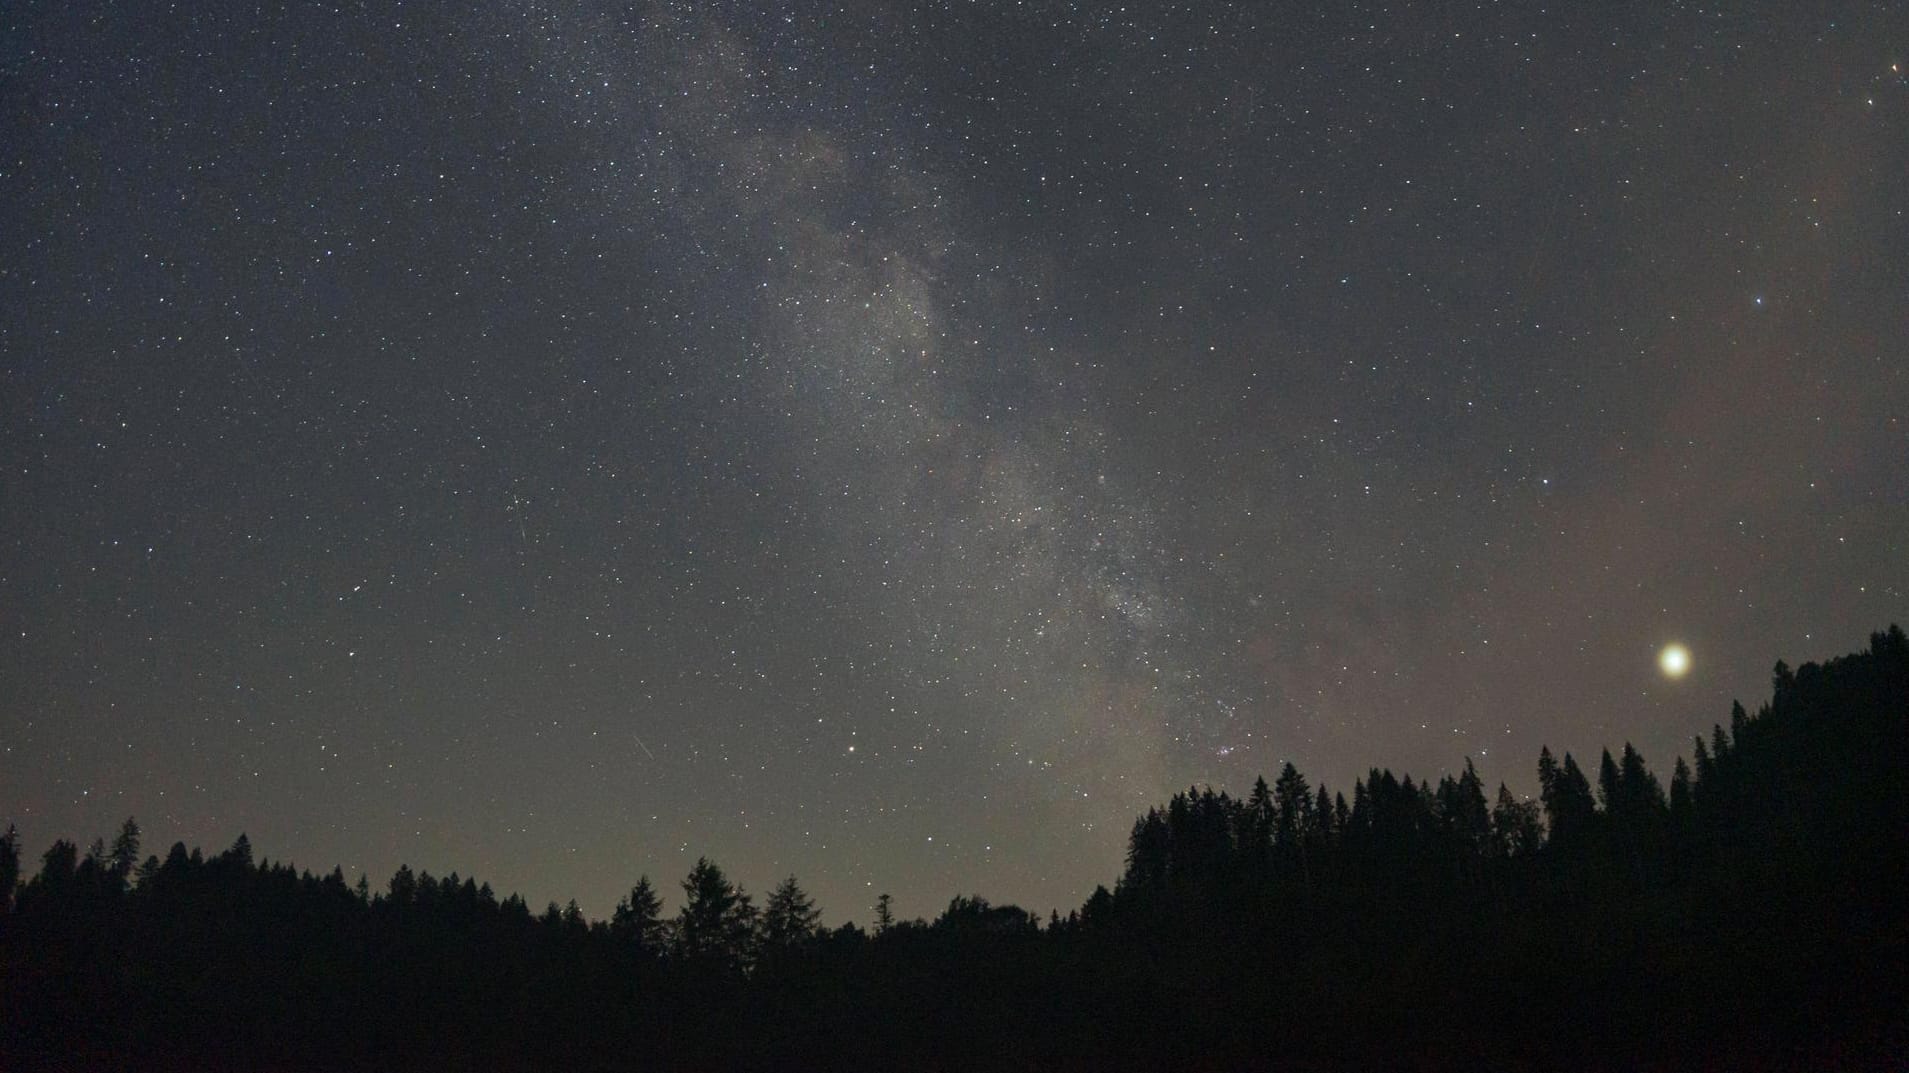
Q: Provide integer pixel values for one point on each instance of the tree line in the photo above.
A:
(1743, 916)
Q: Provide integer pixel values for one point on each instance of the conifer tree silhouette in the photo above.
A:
(1516, 828)
(717, 921)
(638, 919)
(125, 851)
(1762, 888)
(9, 867)
(789, 916)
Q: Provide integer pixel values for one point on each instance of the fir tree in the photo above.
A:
(59, 865)
(403, 889)
(1515, 826)
(1466, 811)
(125, 851)
(717, 920)
(1568, 805)
(789, 917)
(1292, 806)
(1680, 789)
(9, 867)
(1149, 850)
(638, 919)
(1642, 795)
(1705, 766)
(1608, 792)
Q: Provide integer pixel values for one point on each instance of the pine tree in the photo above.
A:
(125, 851)
(1322, 817)
(1568, 805)
(403, 889)
(59, 865)
(638, 919)
(1292, 819)
(1608, 792)
(1098, 910)
(1680, 789)
(9, 867)
(1292, 806)
(1705, 766)
(1579, 786)
(1641, 793)
(1782, 683)
(717, 920)
(1259, 821)
(1515, 827)
(1466, 811)
(1149, 851)
(884, 913)
(789, 917)
(1720, 738)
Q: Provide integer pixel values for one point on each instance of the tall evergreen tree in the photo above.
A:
(1515, 826)
(717, 920)
(1641, 793)
(125, 851)
(1609, 794)
(1149, 851)
(1259, 821)
(1568, 805)
(638, 919)
(789, 916)
(1466, 811)
(59, 865)
(9, 867)
(1292, 806)
(403, 889)
(1720, 738)
(1705, 766)
(1680, 789)
(1322, 818)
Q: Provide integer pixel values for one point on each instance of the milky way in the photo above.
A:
(898, 444)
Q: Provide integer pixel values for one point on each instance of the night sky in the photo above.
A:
(897, 444)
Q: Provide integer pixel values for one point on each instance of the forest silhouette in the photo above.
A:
(1748, 915)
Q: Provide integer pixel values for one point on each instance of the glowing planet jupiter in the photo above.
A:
(1675, 660)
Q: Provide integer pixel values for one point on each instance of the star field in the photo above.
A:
(899, 443)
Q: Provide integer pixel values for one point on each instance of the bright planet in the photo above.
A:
(1675, 660)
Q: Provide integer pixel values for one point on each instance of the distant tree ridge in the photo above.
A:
(1748, 916)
